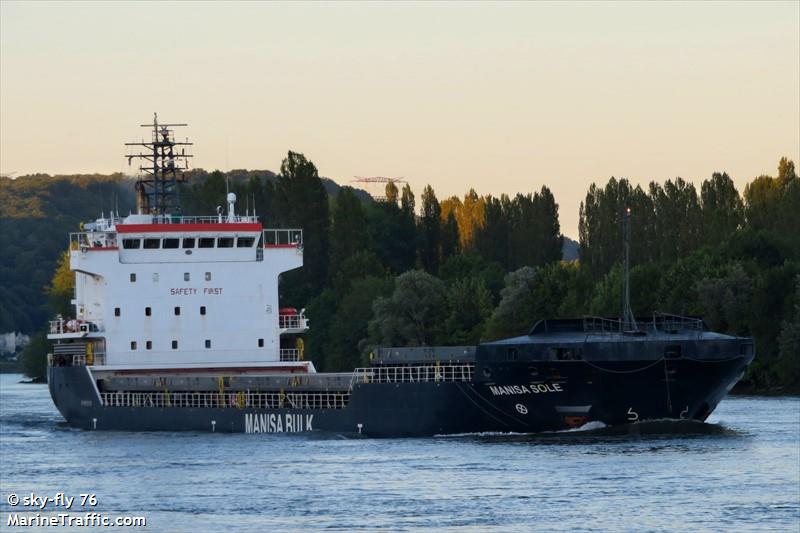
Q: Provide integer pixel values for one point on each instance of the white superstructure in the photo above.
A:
(182, 292)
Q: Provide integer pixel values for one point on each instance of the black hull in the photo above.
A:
(574, 393)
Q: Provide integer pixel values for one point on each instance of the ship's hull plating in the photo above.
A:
(574, 393)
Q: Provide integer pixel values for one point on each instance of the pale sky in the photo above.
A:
(502, 98)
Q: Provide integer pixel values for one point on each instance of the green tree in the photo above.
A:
(450, 246)
(349, 232)
(492, 240)
(789, 341)
(725, 299)
(472, 265)
(677, 217)
(600, 224)
(348, 331)
(412, 315)
(773, 204)
(393, 235)
(320, 311)
(530, 294)
(302, 202)
(360, 265)
(407, 201)
(391, 193)
(722, 208)
(34, 357)
(470, 304)
(62, 287)
(430, 231)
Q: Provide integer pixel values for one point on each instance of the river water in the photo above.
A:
(739, 472)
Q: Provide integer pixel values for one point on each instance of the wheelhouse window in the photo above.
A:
(225, 242)
(206, 242)
(131, 244)
(152, 244)
(188, 242)
(245, 242)
(170, 243)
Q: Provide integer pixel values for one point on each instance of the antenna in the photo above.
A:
(161, 169)
(628, 320)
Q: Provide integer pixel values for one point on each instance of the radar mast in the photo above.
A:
(160, 170)
(628, 323)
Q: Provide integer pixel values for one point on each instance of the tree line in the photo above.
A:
(419, 270)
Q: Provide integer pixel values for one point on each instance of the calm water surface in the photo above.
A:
(739, 472)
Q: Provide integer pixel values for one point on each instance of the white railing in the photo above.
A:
(73, 325)
(82, 359)
(414, 374)
(221, 219)
(283, 238)
(293, 321)
(92, 239)
(290, 354)
(225, 399)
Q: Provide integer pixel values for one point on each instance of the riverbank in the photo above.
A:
(10, 367)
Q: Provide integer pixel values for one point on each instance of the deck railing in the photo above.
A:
(294, 321)
(221, 219)
(232, 399)
(71, 325)
(596, 324)
(290, 354)
(414, 374)
(668, 322)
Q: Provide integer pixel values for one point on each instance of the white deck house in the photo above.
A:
(158, 292)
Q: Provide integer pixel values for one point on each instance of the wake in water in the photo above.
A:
(665, 428)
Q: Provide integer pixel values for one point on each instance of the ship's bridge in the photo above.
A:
(146, 238)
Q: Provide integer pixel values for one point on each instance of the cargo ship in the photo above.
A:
(178, 326)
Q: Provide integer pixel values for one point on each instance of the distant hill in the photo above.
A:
(570, 250)
(37, 213)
